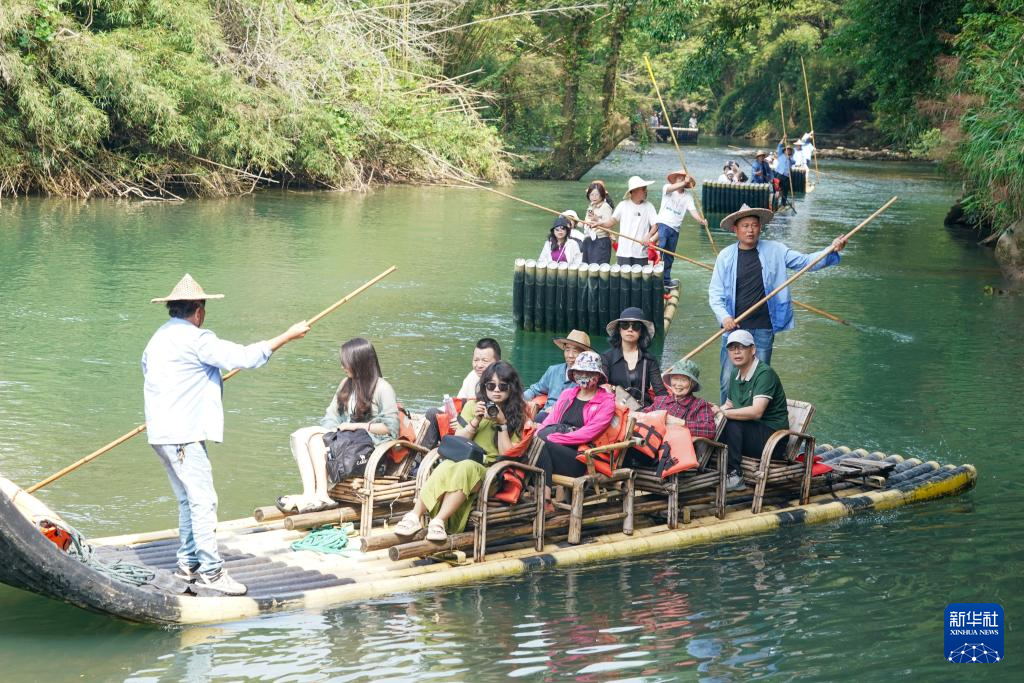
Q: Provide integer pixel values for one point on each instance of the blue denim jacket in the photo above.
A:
(553, 382)
(782, 166)
(775, 258)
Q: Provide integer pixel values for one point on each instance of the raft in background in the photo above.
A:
(559, 297)
(662, 134)
(258, 553)
(799, 178)
(724, 198)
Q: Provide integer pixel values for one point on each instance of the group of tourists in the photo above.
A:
(500, 414)
(776, 168)
(639, 225)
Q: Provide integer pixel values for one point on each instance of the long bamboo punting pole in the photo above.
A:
(679, 151)
(142, 427)
(687, 259)
(743, 316)
(810, 119)
(785, 140)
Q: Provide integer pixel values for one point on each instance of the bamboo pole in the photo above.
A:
(743, 316)
(679, 151)
(687, 259)
(315, 519)
(810, 119)
(142, 427)
(785, 140)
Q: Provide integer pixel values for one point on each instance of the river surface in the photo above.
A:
(929, 368)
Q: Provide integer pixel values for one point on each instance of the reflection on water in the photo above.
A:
(926, 369)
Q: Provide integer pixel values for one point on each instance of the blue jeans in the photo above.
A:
(667, 239)
(191, 477)
(763, 340)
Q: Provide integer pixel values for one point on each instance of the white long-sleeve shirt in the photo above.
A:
(572, 253)
(182, 383)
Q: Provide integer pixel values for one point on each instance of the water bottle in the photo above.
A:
(449, 407)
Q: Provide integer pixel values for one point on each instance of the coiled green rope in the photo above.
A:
(326, 539)
(125, 572)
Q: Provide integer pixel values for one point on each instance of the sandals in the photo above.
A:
(300, 504)
(408, 525)
(436, 531)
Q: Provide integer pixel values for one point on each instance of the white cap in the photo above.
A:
(740, 337)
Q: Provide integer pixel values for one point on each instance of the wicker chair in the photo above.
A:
(699, 479)
(760, 472)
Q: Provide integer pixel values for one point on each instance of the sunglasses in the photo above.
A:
(496, 386)
(631, 325)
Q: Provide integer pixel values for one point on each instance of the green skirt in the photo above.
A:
(453, 476)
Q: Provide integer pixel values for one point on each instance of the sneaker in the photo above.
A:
(734, 482)
(221, 582)
(187, 572)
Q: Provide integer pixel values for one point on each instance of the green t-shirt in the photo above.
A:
(763, 382)
(484, 436)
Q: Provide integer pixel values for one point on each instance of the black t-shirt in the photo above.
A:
(573, 415)
(750, 290)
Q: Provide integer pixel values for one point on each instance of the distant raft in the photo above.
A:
(728, 197)
(682, 134)
(799, 178)
(559, 297)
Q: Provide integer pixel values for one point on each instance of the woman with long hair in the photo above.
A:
(559, 248)
(597, 244)
(629, 364)
(495, 421)
(365, 405)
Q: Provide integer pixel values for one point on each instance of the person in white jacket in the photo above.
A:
(559, 248)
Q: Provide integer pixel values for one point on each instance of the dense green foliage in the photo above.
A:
(207, 97)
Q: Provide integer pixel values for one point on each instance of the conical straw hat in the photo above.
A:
(187, 289)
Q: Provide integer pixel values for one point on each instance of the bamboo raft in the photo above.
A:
(257, 550)
(559, 297)
(663, 134)
(729, 197)
(799, 177)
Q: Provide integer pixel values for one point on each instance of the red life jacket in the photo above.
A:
(615, 432)
(677, 452)
(650, 429)
(510, 486)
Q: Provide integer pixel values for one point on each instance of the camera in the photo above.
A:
(491, 409)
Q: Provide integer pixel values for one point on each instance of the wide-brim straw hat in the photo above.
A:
(575, 338)
(799, 142)
(672, 178)
(589, 361)
(729, 222)
(187, 289)
(760, 153)
(635, 183)
(633, 314)
(687, 368)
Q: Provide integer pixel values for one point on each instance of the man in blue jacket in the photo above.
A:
(556, 378)
(746, 271)
(783, 167)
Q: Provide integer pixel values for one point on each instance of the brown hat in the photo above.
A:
(575, 338)
(760, 153)
(675, 176)
(187, 289)
(764, 215)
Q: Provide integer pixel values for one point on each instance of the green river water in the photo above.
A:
(930, 368)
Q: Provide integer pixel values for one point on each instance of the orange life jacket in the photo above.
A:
(677, 453)
(615, 433)
(443, 428)
(406, 432)
(650, 429)
(510, 486)
(58, 536)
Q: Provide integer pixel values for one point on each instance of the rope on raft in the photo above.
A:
(125, 572)
(326, 539)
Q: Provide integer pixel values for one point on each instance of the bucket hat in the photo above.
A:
(687, 368)
(187, 289)
(799, 142)
(635, 183)
(740, 337)
(633, 314)
(574, 338)
(729, 222)
(561, 222)
(681, 174)
(571, 215)
(589, 361)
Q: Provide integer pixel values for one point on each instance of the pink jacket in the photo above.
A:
(597, 415)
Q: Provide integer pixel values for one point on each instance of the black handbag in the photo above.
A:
(457, 449)
(347, 453)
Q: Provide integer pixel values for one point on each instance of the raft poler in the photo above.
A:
(556, 378)
(638, 222)
(676, 201)
(761, 169)
(747, 270)
(181, 367)
(559, 247)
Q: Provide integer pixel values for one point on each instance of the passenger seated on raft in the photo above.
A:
(556, 378)
(487, 351)
(559, 248)
(582, 413)
(451, 489)
(364, 402)
(756, 407)
(682, 381)
(727, 175)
